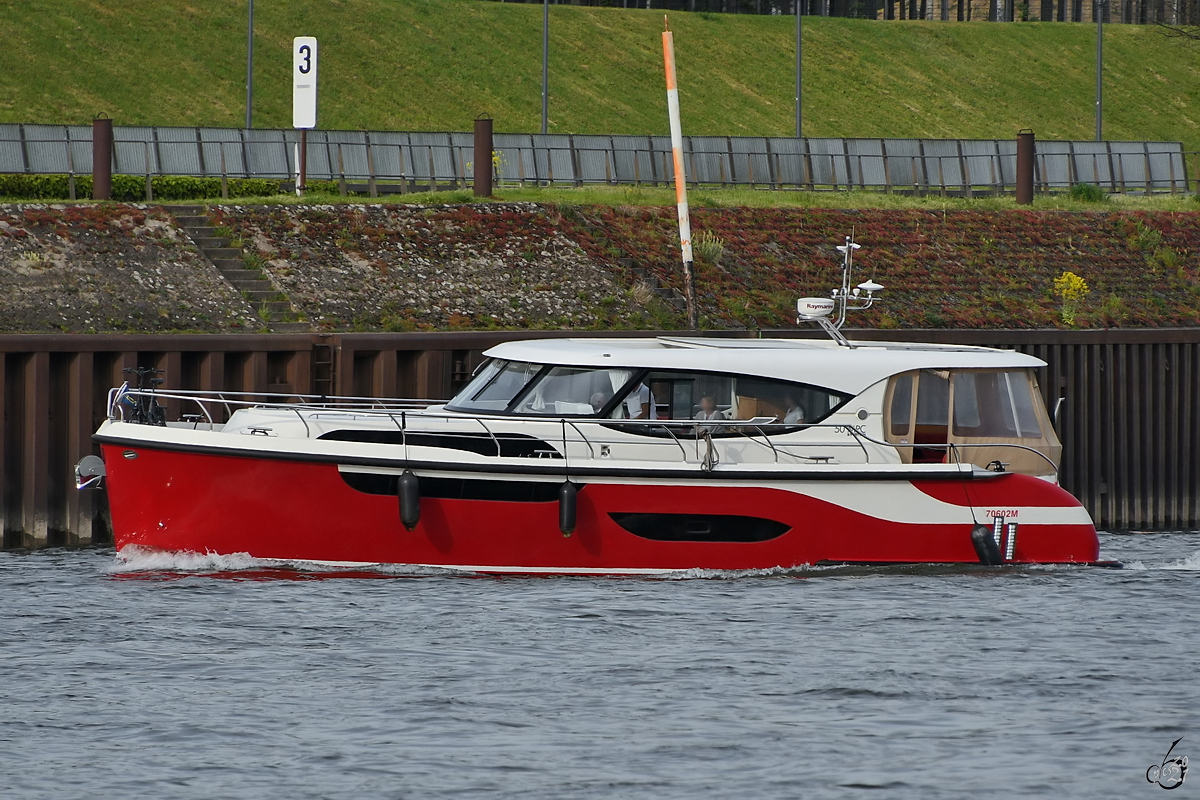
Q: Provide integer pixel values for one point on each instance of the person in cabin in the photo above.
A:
(640, 403)
(708, 411)
(795, 413)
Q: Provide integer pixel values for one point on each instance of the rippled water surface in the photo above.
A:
(207, 678)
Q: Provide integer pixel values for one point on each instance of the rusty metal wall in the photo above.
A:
(1130, 421)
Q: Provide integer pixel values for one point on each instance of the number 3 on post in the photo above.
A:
(304, 82)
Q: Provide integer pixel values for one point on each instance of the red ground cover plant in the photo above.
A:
(957, 269)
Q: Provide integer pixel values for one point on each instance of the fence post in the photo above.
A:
(102, 156)
(341, 172)
(965, 167)
(887, 167)
(70, 168)
(371, 187)
(575, 164)
(1025, 167)
(149, 187)
(1149, 182)
(483, 157)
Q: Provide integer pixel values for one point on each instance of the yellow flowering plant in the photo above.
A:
(1071, 289)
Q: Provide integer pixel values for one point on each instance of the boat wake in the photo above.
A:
(135, 562)
(152, 564)
(139, 563)
(1188, 564)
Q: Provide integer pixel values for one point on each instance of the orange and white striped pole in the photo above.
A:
(681, 203)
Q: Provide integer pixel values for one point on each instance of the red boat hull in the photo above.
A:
(299, 511)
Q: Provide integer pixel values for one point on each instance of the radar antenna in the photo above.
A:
(841, 300)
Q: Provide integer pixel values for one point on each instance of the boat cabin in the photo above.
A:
(924, 398)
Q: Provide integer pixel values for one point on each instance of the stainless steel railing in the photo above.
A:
(588, 430)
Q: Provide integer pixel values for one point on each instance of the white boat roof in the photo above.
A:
(813, 361)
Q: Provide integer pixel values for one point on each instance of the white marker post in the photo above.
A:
(681, 203)
(304, 100)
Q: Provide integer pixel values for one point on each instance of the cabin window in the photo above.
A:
(900, 411)
(495, 386)
(994, 404)
(573, 391)
(692, 396)
(628, 393)
(982, 413)
(933, 415)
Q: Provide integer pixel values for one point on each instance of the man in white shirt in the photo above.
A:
(640, 403)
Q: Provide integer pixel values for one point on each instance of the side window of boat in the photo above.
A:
(715, 396)
(995, 404)
(930, 409)
(899, 420)
(572, 391)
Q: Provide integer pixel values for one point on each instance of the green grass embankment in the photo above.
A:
(436, 64)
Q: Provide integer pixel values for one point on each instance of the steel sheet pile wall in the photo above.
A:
(1131, 429)
(1130, 422)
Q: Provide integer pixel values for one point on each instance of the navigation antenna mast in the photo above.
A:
(841, 300)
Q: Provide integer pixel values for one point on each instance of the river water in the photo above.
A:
(164, 677)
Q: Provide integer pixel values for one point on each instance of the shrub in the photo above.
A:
(20, 186)
(709, 247)
(1169, 259)
(1145, 240)
(129, 188)
(1087, 193)
(132, 188)
(1113, 311)
(323, 187)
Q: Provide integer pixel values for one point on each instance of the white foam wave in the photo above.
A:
(1189, 564)
(698, 573)
(134, 560)
(139, 559)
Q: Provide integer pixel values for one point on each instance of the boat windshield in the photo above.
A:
(523, 388)
(579, 391)
(495, 386)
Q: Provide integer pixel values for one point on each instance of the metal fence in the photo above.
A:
(401, 161)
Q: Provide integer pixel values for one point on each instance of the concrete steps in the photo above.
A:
(670, 296)
(272, 304)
